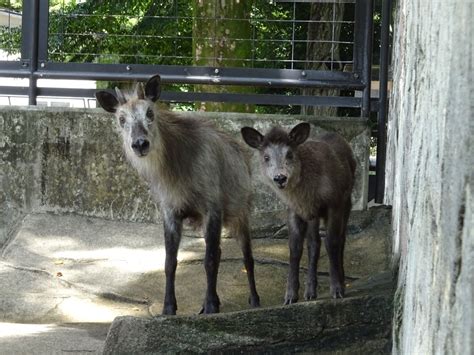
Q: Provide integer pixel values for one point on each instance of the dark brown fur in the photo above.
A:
(320, 178)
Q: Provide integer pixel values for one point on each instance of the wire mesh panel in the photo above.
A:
(227, 33)
(10, 30)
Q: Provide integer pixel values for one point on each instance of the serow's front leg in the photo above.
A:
(334, 242)
(212, 260)
(173, 227)
(297, 229)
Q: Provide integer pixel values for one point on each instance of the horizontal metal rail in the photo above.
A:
(257, 99)
(289, 78)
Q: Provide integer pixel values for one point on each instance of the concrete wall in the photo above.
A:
(430, 177)
(70, 160)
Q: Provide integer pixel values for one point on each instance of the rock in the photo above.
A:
(358, 323)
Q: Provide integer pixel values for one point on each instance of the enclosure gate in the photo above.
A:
(35, 63)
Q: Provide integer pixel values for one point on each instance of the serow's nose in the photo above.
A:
(280, 179)
(141, 146)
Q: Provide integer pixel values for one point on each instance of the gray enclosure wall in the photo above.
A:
(71, 160)
(430, 167)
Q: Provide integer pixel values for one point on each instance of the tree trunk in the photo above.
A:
(323, 53)
(429, 172)
(218, 29)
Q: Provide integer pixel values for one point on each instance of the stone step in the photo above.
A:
(360, 323)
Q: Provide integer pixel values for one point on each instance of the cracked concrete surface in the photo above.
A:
(60, 270)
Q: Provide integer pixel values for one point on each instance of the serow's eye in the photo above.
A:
(266, 158)
(122, 120)
(150, 115)
(289, 155)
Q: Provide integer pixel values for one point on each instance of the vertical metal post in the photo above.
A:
(43, 32)
(367, 59)
(383, 101)
(30, 44)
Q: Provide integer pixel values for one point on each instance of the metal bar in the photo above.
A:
(333, 35)
(293, 37)
(13, 91)
(26, 31)
(13, 67)
(31, 16)
(164, 17)
(201, 75)
(383, 108)
(187, 97)
(203, 38)
(264, 73)
(358, 53)
(265, 99)
(367, 57)
(205, 80)
(258, 99)
(43, 31)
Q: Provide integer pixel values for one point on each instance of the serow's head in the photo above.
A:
(135, 113)
(278, 152)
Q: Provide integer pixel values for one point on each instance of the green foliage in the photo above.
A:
(11, 4)
(10, 39)
(122, 31)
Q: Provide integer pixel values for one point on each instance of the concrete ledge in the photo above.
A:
(358, 324)
(71, 160)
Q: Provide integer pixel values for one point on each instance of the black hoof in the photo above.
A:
(254, 301)
(169, 310)
(209, 308)
(310, 297)
(337, 292)
(290, 301)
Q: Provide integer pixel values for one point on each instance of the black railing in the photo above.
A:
(35, 64)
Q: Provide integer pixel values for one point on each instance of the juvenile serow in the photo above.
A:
(315, 179)
(195, 173)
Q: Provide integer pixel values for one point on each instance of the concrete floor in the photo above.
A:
(66, 277)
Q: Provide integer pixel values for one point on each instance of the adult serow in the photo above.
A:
(315, 179)
(195, 172)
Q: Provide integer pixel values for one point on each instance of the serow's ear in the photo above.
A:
(299, 133)
(153, 88)
(252, 137)
(107, 101)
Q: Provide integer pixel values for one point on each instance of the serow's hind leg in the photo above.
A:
(243, 236)
(334, 242)
(347, 212)
(212, 260)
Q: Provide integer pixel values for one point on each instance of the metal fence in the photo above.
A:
(266, 45)
(46, 51)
